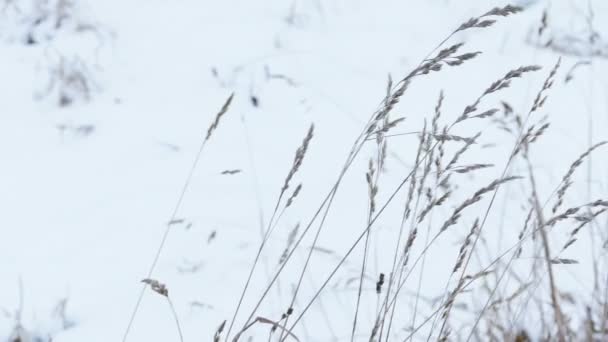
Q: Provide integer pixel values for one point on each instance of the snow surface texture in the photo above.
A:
(102, 115)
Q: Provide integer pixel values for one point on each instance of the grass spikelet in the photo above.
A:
(567, 179)
(441, 154)
(445, 56)
(379, 283)
(218, 333)
(412, 187)
(563, 216)
(488, 113)
(505, 81)
(480, 22)
(290, 240)
(463, 249)
(477, 275)
(231, 172)
(427, 165)
(569, 213)
(437, 112)
(299, 157)
(461, 151)
(156, 286)
(523, 141)
(390, 102)
(539, 132)
(599, 203)
(372, 188)
(433, 203)
(470, 168)
(500, 84)
(520, 237)
(514, 295)
(458, 60)
(388, 126)
(507, 109)
(558, 261)
(408, 245)
(474, 199)
(445, 182)
(218, 117)
(161, 289)
(450, 137)
(584, 221)
(540, 99)
(293, 196)
(504, 11)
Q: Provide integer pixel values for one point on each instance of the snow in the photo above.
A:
(87, 189)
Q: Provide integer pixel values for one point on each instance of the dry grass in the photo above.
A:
(501, 293)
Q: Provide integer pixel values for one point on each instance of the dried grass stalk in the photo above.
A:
(218, 333)
(219, 115)
(157, 286)
(379, 283)
(293, 196)
(500, 84)
(290, 240)
(412, 187)
(461, 151)
(567, 179)
(481, 22)
(540, 99)
(584, 221)
(372, 187)
(432, 204)
(474, 199)
(299, 157)
(463, 249)
(470, 168)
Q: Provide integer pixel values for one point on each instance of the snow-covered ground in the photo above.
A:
(87, 187)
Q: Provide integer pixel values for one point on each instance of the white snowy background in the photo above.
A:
(88, 178)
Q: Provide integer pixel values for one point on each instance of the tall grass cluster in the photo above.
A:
(487, 293)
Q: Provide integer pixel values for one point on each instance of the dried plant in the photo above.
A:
(461, 151)
(231, 172)
(465, 244)
(290, 240)
(162, 290)
(218, 332)
(293, 196)
(299, 157)
(218, 117)
(474, 199)
(69, 81)
(433, 203)
(584, 220)
(297, 162)
(264, 320)
(148, 280)
(482, 22)
(500, 84)
(567, 179)
(506, 292)
(413, 178)
(156, 286)
(379, 283)
(541, 97)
